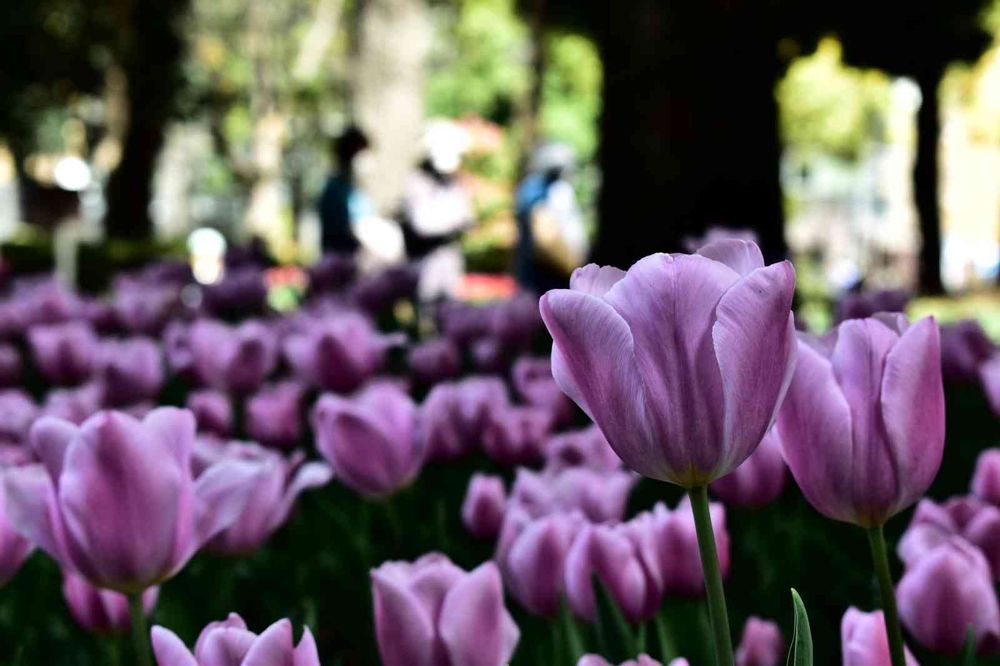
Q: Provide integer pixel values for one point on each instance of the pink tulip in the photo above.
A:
(129, 370)
(14, 548)
(337, 353)
(601, 496)
(986, 479)
(484, 504)
(17, 412)
(641, 660)
(232, 359)
(677, 542)
(64, 353)
(273, 414)
(933, 524)
(101, 611)
(964, 348)
(863, 641)
(230, 643)
(761, 644)
(580, 448)
(454, 414)
(759, 480)
(431, 613)
(72, 504)
(515, 435)
(534, 384)
(212, 411)
(434, 360)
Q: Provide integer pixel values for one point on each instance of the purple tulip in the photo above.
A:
(623, 560)
(759, 480)
(601, 496)
(693, 410)
(865, 304)
(964, 348)
(212, 411)
(863, 423)
(10, 366)
(434, 360)
(332, 272)
(72, 504)
(484, 505)
(641, 660)
(101, 611)
(337, 353)
(129, 370)
(230, 643)
(989, 375)
(761, 644)
(863, 641)
(454, 414)
(281, 481)
(986, 480)
(369, 438)
(177, 349)
(515, 435)
(43, 301)
(677, 540)
(232, 359)
(489, 355)
(463, 323)
(947, 592)
(532, 555)
(534, 384)
(274, 414)
(75, 405)
(14, 548)
(377, 291)
(431, 613)
(144, 308)
(580, 448)
(967, 517)
(17, 412)
(239, 292)
(64, 353)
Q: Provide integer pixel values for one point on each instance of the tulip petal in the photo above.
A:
(49, 438)
(309, 475)
(754, 338)
(473, 623)
(31, 509)
(405, 633)
(595, 280)
(912, 400)
(742, 256)
(224, 646)
(274, 647)
(306, 654)
(222, 493)
(170, 650)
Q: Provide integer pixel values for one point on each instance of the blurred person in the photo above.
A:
(552, 240)
(436, 210)
(343, 202)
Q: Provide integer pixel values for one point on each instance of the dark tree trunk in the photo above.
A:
(926, 182)
(690, 126)
(150, 51)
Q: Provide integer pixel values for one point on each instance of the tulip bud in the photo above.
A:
(948, 591)
(514, 435)
(129, 371)
(64, 353)
(964, 347)
(17, 412)
(586, 447)
(677, 539)
(337, 353)
(454, 414)
(273, 414)
(101, 611)
(432, 612)
(484, 504)
(233, 359)
(759, 480)
(533, 382)
(641, 660)
(865, 304)
(598, 495)
(967, 517)
(533, 558)
(212, 410)
(761, 644)
(230, 642)
(986, 480)
(863, 641)
(434, 360)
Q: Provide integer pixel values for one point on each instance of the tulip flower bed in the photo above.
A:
(520, 482)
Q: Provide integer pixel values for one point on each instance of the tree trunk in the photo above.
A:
(926, 180)
(690, 126)
(150, 52)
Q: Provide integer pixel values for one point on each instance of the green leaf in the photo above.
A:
(614, 635)
(571, 634)
(801, 651)
(664, 642)
(969, 649)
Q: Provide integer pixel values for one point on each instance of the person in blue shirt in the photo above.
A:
(342, 201)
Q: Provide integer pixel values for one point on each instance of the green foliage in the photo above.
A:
(571, 93)
(801, 652)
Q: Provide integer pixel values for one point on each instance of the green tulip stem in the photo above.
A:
(880, 558)
(713, 576)
(140, 631)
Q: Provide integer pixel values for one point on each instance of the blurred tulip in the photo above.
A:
(863, 641)
(17, 412)
(75, 405)
(14, 548)
(177, 349)
(986, 479)
(453, 416)
(532, 555)
(64, 353)
(641, 660)
(72, 504)
(10, 365)
(337, 353)
(863, 423)
(377, 291)
(144, 308)
(677, 541)
(989, 374)
(369, 438)
(947, 592)
(964, 347)
(212, 411)
(240, 292)
(580, 448)
(489, 355)
(333, 272)
(933, 524)
(274, 414)
(484, 504)
(434, 360)
(129, 370)
(761, 644)
(101, 611)
(861, 305)
(230, 643)
(515, 435)
(281, 481)
(623, 560)
(534, 384)
(759, 480)
(232, 359)
(601, 496)
(431, 613)
(691, 411)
